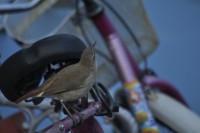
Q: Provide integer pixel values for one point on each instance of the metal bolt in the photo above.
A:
(61, 127)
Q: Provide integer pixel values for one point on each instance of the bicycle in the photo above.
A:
(150, 80)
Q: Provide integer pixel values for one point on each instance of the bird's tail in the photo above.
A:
(29, 94)
(39, 90)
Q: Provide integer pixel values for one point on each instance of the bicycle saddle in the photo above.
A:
(24, 70)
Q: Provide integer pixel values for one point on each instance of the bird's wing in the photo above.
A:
(69, 78)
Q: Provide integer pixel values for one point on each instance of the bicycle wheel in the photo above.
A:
(174, 114)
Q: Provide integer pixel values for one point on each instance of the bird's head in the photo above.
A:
(88, 55)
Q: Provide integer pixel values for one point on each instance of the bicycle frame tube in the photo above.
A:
(66, 124)
(124, 63)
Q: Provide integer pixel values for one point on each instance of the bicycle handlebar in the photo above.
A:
(64, 125)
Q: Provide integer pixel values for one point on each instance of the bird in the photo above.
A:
(72, 82)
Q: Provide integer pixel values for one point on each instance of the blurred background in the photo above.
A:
(176, 59)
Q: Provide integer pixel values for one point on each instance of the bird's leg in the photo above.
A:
(76, 112)
(76, 108)
(69, 113)
(84, 101)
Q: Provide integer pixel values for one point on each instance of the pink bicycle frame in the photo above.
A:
(123, 61)
(129, 71)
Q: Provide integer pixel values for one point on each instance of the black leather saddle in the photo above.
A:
(24, 70)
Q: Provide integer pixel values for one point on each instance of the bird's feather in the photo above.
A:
(70, 76)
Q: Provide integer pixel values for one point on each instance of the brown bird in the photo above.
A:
(72, 82)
